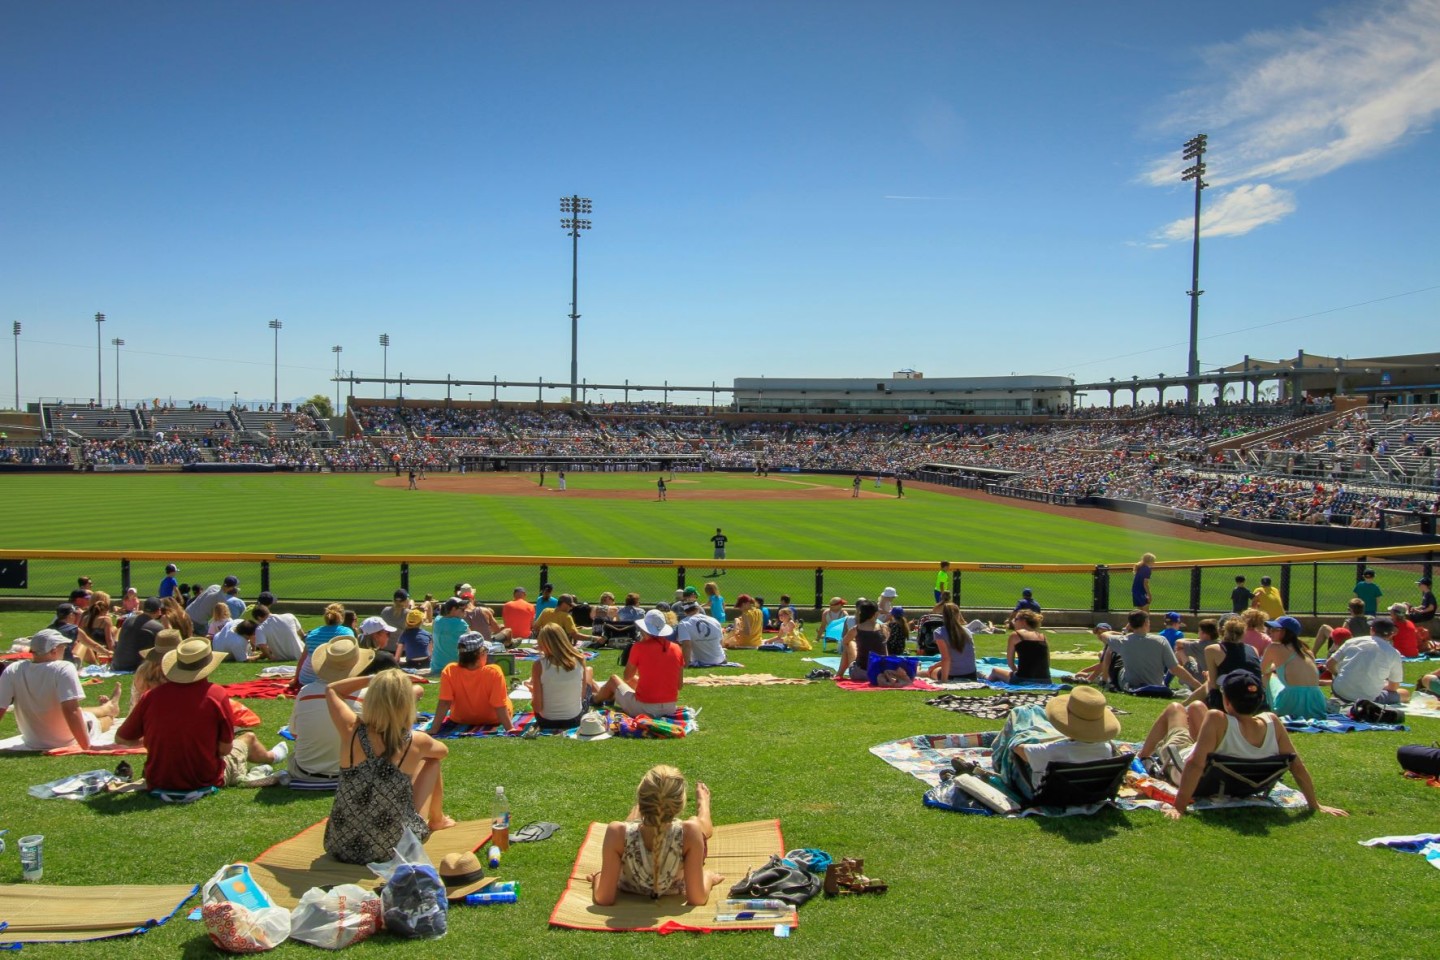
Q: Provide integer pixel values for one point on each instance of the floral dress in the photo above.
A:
(637, 866)
(374, 803)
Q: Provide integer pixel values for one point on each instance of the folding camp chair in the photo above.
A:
(1068, 784)
(1240, 777)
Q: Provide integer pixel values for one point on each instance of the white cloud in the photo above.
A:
(1301, 103)
(1234, 213)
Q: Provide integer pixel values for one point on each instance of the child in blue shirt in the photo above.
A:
(1172, 631)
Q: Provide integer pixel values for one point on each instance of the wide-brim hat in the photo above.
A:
(592, 727)
(340, 658)
(165, 641)
(462, 874)
(654, 624)
(191, 661)
(1083, 716)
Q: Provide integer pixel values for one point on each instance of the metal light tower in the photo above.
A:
(276, 325)
(117, 343)
(1194, 150)
(15, 329)
(99, 382)
(574, 206)
(385, 365)
(337, 350)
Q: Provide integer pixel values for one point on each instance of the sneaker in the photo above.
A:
(278, 755)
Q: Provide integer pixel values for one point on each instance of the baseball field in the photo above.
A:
(1246, 884)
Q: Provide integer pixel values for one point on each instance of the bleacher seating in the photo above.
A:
(87, 421)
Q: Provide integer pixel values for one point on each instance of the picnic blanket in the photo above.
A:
(925, 756)
(291, 867)
(714, 666)
(679, 724)
(919, 683)
(1425, 844)
(261, 688)
(743, 680)
(103, 742)
(734, 849)
(525, 725)
(1422, 706)
(1338, 723)
(988, 708)
(42, 913)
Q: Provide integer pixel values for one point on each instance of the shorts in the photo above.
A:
(626, 701)
(1387, 697)
(237, 764)
(719, 553)
(545, 723)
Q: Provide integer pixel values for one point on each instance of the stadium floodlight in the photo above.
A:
(99, 358)
(117, 343)
(15, 329)
(575, 206)
(1194, 150)
(276, 325)
(337, 350)
(384, 365)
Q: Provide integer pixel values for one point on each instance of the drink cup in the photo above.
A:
(32, 857)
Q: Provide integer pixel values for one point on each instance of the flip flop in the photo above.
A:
(534, 831)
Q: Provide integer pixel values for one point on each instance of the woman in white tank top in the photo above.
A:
(560, 681)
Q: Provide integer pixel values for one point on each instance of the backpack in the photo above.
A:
(777, 879)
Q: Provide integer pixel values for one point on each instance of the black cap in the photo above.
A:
(79, 595)
(1423, 581)
(232, 581)
(547, 586)
(171, 568)
(152, 605)
(1244, 691)
(402, 594)
(64, 610)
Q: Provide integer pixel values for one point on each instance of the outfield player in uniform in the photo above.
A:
(719, 540)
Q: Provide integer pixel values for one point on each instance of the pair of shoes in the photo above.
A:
(848, 876)
(820, 673)
(963, 766)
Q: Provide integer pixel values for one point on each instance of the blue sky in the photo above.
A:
(194, 170)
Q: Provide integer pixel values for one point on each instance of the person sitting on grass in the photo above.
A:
(277, 635)
(1074, 728)
(654, 673)
(792, 631)
(560, 681)
(1289, 661)
(700, 637)
(957, 648)
(187, 727)
(1257, 637)
(561, 615)
(864, 640)
(47, 696)
(473, 692)
(1369, 668)
(1027, 653)
(317, 741)
(219, 617)
(1230, 654)
(1358, 623)
(653, 853)
(748, 631)
(390, 775)
(1406, 640)
(445, 634)
(148, 675)
(97, 624)
(1146, 658)
(632, 611)
(334, 626)
(415, 640)
(1095, 673)
(1191, 653)
(1188, 736)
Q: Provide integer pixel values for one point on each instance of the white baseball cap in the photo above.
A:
(656, 625)
(373, 625)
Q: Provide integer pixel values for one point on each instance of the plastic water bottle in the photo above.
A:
(485, 898)
(766, 904)
(492, 857)
(500, 822)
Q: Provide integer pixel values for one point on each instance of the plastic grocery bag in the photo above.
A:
(414, 900)
(238, 916)
(336, 918)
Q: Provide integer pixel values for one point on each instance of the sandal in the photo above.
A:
(963, 766)
(534, 831)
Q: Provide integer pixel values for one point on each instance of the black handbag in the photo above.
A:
(777, 879)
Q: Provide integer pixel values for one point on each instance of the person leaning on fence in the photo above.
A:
(1186, 737)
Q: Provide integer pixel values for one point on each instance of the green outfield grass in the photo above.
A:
(1240, 885)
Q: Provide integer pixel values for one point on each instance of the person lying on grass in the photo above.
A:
(654, 672)
(866, 639)
(472, 690)
(1194, 733)
(389, 774)
(956, 646)
(46, 694)
(560, 681)
(652, 852)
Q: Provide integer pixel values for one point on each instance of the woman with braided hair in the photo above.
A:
(653, 852)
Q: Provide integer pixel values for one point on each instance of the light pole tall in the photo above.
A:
(574, 206)
(117, 343)
(276, 325)
(1194, 149)
(99, 380)
(337, 350)
(384, 365)
(15, 329)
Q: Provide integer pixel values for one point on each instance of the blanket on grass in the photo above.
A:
(1425, 844)
(42, 913)
(1422, 705)
(925, 756)
(743, 680)
(713, 666)
(1339, 723)
(856, 686)
(261, 688)
(734, 849)
(521, 722)
(989, 708)
(680, 724)
(101, 743)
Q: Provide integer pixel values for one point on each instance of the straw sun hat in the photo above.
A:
(340, 658)
(1083, 716)
(191, 661)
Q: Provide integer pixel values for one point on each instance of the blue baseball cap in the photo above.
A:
(1172, 616)
(1286, 623)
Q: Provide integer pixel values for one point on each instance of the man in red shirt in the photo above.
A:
(518, 615)
(654, 673)
(1406, 639)
(188, 728)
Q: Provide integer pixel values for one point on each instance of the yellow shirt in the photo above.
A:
(749, 630)
(1268, 600)
(553, 615)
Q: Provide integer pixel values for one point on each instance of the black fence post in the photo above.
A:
(1426, 566)
(264, 576)
(1195, 575)
(1100, 588)
(955, 588)
(1359, 569)
(679, 578)
(1285, 585)
(1315, 588)
(544, 576)
(405, 577)
(125, 575)
(819, 588)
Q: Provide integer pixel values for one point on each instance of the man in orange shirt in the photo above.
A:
(518, 615)
(473, 691)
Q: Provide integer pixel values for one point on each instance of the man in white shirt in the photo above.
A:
(46, 694)
(234, 638)
(278, 636)
(1369, 669)
(317, 743)
(700, 636)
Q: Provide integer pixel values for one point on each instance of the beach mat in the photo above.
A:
(41, 913)
(855, 686)
(743, 680)
(261, 688)
(1339, 723)
(101, 744)
(291, 867)
(733, 850)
